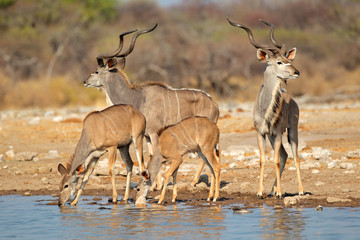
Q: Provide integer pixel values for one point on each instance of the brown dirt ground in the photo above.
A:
(336, 129)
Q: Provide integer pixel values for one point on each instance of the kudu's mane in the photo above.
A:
(142, 85)
(124, 76)
(155, 83)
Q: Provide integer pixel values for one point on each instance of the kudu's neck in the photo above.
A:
(154, 165)
(270, 100)
(272, 83)
(82, 151)
(120, 91)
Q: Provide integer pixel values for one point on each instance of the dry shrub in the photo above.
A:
(55, 93)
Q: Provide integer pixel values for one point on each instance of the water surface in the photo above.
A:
(31, 218)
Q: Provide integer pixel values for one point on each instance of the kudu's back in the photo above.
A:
(111, 126)
(191, 135)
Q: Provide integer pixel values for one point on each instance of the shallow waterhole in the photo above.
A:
(38, 217)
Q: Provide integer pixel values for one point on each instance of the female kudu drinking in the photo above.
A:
(105, 131)
(195, 134)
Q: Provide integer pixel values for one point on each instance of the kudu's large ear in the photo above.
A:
(111, 63)
(291, 54)
(62, 169)
(262, 55)
(145, 175)
(80, 169)
(100, 62)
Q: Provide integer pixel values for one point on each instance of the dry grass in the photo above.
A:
(41, 93)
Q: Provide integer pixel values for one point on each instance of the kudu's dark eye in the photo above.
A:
(96, 72)
(279, 63)
(66, 186)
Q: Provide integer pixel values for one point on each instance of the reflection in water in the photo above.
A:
(282, 224)
(31, 218)
(155, 221)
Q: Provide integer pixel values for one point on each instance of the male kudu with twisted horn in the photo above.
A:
(160, 104)
(274, 110)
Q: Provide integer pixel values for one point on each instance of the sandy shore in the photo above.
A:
(33, 142)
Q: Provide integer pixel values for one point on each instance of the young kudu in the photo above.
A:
(160, 104)
(274, 110)
(194, 134)
(106, 131)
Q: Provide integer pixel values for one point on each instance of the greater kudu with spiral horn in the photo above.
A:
(274, 110)
(160, 104)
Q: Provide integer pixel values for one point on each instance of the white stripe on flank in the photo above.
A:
(178, 104)
(113, 131)
(189, 139)
(194, 103)
(179, 140)
(164, 110)
(169, 107)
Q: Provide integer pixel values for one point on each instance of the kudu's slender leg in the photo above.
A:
(174, 185)
(293, 140)
(124, 151)
(283, 159)
(198, 173)
(90, 168)
(214, 161)
(175, 163)
(277, 147)
(138, 145)
(112, 159)
(154, 147)
(262, 144)
(214, 165)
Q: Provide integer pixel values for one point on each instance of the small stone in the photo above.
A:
(25, 156)
(320, 153)
(233, 165)
(291, 200)
(319, 208)
(53, 154)
(34, 121)
(5, 167)
(49, 113)
(58, 119)
(346, 165)
(292, 168)
(18, 173)
(27, 194)
(353, 154)
(10, 154)
(331, 165)
(45, 180)
(2, 158)
(241, 210)
(315, 171)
